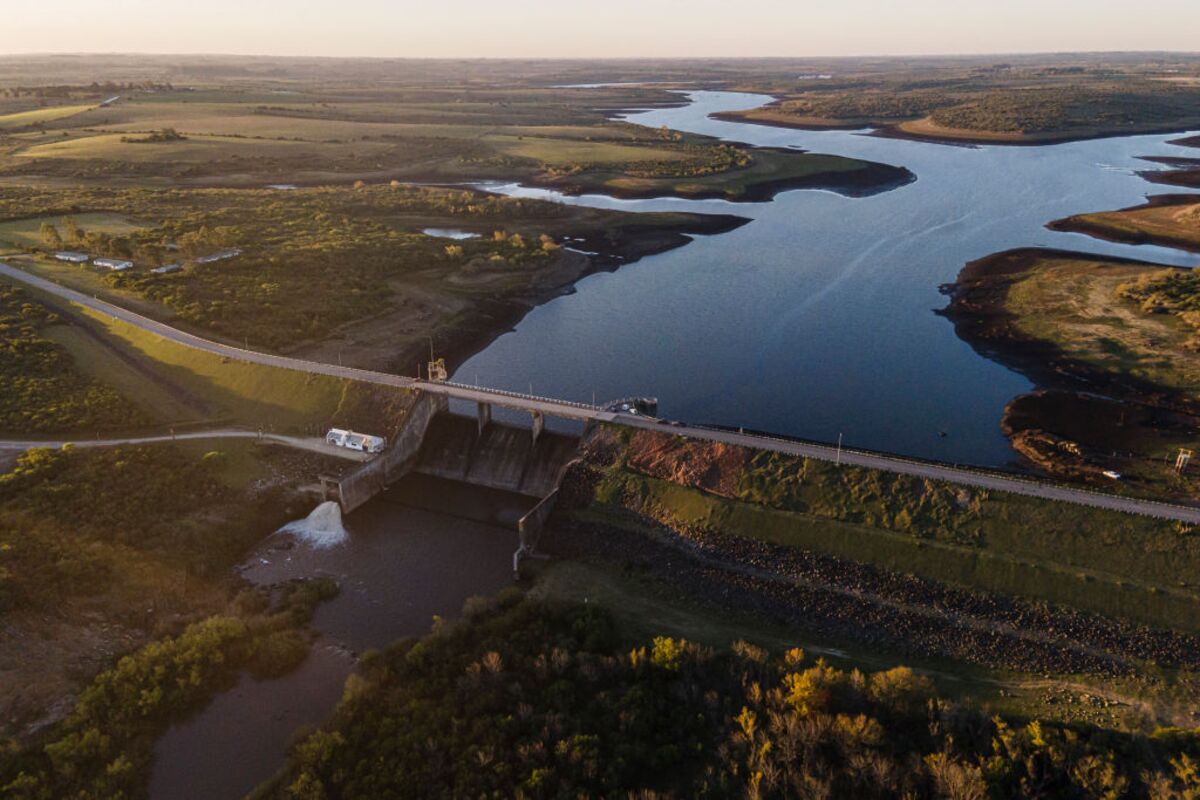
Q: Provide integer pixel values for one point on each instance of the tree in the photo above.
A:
(74, 232)
(50, 236)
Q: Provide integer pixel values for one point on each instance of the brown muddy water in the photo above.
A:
(398, 567)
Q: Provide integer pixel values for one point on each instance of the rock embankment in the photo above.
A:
(852, 601)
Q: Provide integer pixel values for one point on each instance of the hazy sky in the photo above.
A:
(586, 28)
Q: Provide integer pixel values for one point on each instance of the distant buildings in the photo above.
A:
(221, 256)
(167, 269)
(72, 257)
(114, 264)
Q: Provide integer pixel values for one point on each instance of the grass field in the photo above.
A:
(250, 394)
(23, 233)
(1173, 224)
(23, 119)
(322, 134)
(1073, 304)
(194, 149)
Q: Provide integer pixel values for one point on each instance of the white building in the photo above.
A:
(363, 442)
(167, 269)
(72, 257)
(114, 264)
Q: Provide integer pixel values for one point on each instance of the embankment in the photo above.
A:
(916, 566)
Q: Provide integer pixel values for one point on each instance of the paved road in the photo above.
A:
(312, 445)
(580, 411)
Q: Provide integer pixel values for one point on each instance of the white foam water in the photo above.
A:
(320, 529)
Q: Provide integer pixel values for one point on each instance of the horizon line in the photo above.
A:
(945, 55)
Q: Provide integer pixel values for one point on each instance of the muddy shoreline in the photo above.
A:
(873, 178)
(1078, 225)
(980, 318)
(488, 318)
(894, 131)
(1032, 421)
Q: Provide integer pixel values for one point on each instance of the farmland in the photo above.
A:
(328, 133)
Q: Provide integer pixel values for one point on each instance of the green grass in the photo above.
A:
(250, 393)
(101, 363)
(23, 233)
(37, 116)
(195, 149)
(564, 152)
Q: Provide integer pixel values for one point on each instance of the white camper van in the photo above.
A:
(362, 442)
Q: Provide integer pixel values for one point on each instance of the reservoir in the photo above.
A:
(818, 318)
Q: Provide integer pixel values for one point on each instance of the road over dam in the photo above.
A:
(588, 413)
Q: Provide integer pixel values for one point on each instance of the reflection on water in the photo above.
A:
(818, 317)
(398, 567)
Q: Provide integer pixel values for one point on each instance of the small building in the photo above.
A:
(362, 442)
(72, 257)
(114, 264)
(221, 256)
(167, 269)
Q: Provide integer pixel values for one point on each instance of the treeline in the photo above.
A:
(41, 389)
(75, 90)
(527, 699)
(95, 524)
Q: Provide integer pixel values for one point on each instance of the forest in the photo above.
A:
(525, 698)
(41, 391)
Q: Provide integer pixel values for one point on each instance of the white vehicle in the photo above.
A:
(1112, 473)
(362, 442)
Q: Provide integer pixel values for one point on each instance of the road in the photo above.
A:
(312, 445)
(580, 411)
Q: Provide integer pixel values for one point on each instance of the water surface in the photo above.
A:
(398, 568)
(817, 318)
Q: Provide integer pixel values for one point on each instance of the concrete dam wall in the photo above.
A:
(499, 457)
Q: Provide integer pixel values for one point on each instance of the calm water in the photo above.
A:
(817, 318)
(398, 568)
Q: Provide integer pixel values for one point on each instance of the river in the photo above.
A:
(817, 318)
(398, 567)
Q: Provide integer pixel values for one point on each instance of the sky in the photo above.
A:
(606, 28)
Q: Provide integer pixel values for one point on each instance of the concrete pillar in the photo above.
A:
(485, 415)
(539, 422)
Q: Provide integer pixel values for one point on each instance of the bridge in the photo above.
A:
(436, 394)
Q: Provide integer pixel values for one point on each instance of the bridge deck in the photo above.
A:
(579, 411)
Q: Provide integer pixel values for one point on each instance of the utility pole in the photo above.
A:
(838, 462)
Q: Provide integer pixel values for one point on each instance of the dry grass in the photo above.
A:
(1072, 303)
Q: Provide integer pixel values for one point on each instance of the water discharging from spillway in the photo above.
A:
(320, 529)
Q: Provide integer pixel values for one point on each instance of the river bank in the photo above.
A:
(1118, 385)
(469, 312)
(399, 570)
(1162, 220)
